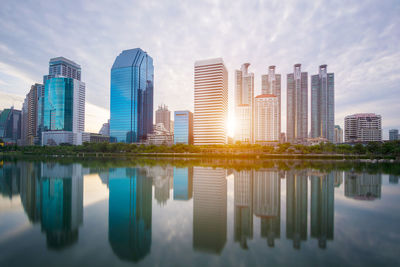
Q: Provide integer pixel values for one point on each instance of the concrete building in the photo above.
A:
(363, 127)
(105, 129)
(10, 125)
(338, 135)
(183, 127)
(393, 134)
(323, 104)
(244, 105)
(163, 115)
(210, 102)
(266, 119)
(160, 136)
(30, 115)
(297, 106)
(271, 85)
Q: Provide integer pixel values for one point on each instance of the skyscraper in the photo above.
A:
(61, 107)
(10, 125)
(363, 127)
(131, 105)
(338, 135)
(271, 85)
(30, 115)
(297, 105)
(163, 115)
(266, 119)
(210, 102)
(323, 104)
(183, 127)
(393, 134)
(244, 104)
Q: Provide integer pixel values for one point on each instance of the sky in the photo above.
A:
(358, 40)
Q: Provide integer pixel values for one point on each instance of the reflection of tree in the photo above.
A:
(296, 210)
(243, 212)
(322, 208)
(130, 208)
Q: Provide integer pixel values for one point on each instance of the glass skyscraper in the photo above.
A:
(183, 127)
(131, 106)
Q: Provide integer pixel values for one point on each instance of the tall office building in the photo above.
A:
(244, 104)
(271, 85)
(131, 105)
(266, 118)
(393, 134)
(62, 105)
(322, 207)
(209, 209)
(363, 127)
(105, 129)
(210, 102)
(267, 203)
(323, 104)
(243, 213)
(338, 135)
(297, 105)
(183, 127)
(163, 115)
(30, 115)
(10, 125)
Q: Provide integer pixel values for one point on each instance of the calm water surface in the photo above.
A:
(183, 213)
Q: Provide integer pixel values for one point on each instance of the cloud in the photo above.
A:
(358, 41)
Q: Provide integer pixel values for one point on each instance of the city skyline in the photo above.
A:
(338, 40)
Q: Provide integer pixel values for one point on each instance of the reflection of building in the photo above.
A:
(322, 208)
(267, 203)
(393, 179)
(10, 179)
(129, 217)
(61, 198)
(30, 190)
(183, 183)
(296, 209)
(243, 212)
(210, 102)
(131, 101)
(209, 209)
(163, 182)
(338, 178)
(363, 186)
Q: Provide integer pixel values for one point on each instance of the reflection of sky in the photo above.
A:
(365, 233)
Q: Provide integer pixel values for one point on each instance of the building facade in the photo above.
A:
(160, 136)
(10, 125)
(266, 118)
(297, 106)
(131, 105)
(271, 85)
(363, 127)
(105, 129)
(183, 127)
(163, 115)
(323, 104)
(393, 134)
(210, 102)
(244, 104)
(338, 135)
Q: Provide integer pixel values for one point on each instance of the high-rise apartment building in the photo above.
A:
(271, 85)
(338, 135)
(393, 134)
(297, 105)
(131, 105)
(183, 127)
(163, 115)
(363, 127)
(244, 105)
(323, 104)
(30, 116)
(210, 102)
(266, 119)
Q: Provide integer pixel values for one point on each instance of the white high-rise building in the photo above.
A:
(244, 104)
(338, 135)
(266, 118)
(210, 102)
(271, 85)
(363, 127)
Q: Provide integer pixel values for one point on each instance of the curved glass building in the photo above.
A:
(131, 107)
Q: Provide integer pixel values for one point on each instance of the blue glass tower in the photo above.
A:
(183, 127)
(131, 107)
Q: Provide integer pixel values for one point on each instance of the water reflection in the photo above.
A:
(51, 195)
(209, 209)
(130, 212)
